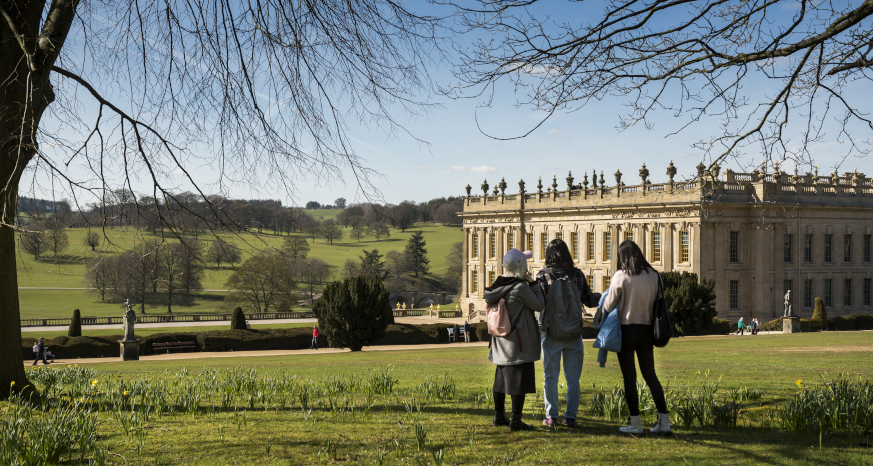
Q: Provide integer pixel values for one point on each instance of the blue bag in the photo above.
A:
(609, 334)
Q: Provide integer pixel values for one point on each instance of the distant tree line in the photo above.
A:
(192, 214)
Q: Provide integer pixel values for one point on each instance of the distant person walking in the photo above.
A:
(754, 326)
(514, 354)
(314, 338)
(634, 288)
(456, 331)
(40, 352)
(559, 264)
(740, 327)
(466, 332)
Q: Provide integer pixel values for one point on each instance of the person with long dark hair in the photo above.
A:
(515, 354)
(634, 287)
(559, 264)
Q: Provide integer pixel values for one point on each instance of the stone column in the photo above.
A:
(719, 253)
(465, 291)
(667, 239)
(483, 254)
(501, 247)
(696, 259)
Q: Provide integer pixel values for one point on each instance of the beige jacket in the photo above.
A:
(635, 295)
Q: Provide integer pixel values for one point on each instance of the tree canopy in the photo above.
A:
(777, 75)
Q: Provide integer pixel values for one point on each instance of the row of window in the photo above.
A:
(474, 281)
(808, 298)
(788, 248)
(573, 244)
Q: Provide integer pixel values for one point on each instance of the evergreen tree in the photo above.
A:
(372, 265)
(691, 302)
(75, 329)
(354, 312)
(417, 253)
(238, 320)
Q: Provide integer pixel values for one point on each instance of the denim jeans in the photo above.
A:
(314, 343)
(573, 352)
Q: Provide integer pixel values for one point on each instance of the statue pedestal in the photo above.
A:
(129, 350)
(791, 325)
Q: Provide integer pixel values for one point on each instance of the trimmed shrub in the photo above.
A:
(806, 325)
(851, 322)
(75, 329)
(820, 314)
(238, 320)
(354, 312)
(75, 347)
(718, 327)
(256, 340)
(691, 302)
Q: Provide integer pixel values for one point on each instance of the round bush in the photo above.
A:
(354, 312)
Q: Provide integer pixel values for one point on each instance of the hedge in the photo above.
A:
(806, 325)
(718, 327)
(851, 322)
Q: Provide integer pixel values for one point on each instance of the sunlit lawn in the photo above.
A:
(67, 270)
(247, 433)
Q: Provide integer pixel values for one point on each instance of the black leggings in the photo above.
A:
(517, 402)
(639, 338)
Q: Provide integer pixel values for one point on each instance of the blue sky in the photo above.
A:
(459, 153)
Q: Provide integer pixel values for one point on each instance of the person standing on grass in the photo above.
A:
(514, 354)
(314, 338)
(754, 327)
(559, 264)
(466, 332)
(40, 351)
(740, 327)
(633, 288)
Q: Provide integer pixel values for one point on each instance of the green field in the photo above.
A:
(341, 424)
(67, 270)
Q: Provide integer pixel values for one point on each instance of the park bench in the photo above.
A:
(452, 333)
(171, 345)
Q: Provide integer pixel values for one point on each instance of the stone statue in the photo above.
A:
(129, 322)
(788, 311)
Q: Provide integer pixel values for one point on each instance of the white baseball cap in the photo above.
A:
(513, 258)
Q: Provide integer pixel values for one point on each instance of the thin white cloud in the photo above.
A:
(557, 132)
(483, 169)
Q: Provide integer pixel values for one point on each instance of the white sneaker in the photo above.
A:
(633, 427)
(663, 425)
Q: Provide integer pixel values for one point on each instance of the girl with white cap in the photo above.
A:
(515, 354)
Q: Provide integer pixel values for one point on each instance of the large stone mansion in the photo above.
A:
(756, 234)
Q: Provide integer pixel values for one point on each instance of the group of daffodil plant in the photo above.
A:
(75, 401)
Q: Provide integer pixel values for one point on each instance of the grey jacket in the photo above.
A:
(524, 299)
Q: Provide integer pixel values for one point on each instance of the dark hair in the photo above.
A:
(558, 255)
(631, 259)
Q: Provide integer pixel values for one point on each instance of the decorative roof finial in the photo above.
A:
(602, 181)
(671, 171)
(521, 187)
(555, 182)
(502, 185)
(570, 180)
(644, 174)
(585, 180)
(618, 177)
(468, 188)
(540, 185)
(485, 187)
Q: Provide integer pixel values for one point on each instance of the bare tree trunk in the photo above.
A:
(26, 94)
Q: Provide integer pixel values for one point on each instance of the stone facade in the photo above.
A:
(756, 234)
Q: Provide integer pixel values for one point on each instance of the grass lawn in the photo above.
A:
(264, 422)
(67, 270)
